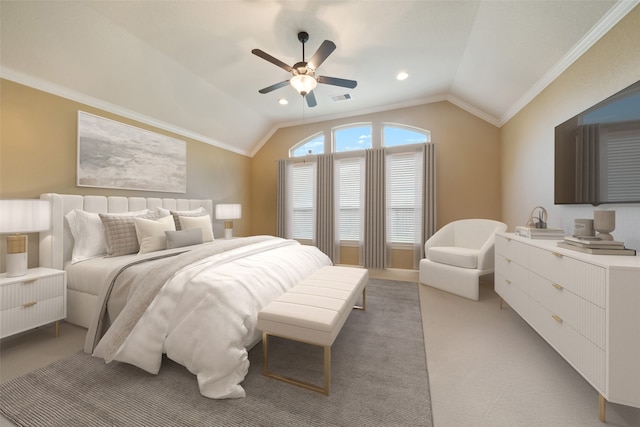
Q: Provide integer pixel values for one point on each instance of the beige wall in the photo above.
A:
(468, 162)
(38, 144)
(612, 64)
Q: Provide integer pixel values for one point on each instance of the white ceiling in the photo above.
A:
(186, 66)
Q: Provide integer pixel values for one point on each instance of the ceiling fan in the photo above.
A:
(303, 73)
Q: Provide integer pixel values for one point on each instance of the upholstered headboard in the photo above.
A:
(56, 245)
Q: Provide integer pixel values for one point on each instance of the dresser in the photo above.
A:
(35, 299)
(587, 307)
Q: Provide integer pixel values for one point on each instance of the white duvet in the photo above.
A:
(205, 316)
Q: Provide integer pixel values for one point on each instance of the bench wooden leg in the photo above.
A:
(364, 300)
(327, 369)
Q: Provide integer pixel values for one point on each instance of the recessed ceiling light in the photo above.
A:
(402, 75)
(283, 101)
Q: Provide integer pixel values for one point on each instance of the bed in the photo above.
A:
(194, 299)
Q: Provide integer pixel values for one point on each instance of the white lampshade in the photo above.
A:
(230, 211)
(303, 83)
(22, 216)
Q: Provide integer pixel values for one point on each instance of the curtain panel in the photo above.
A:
(375, 254)
(428, 198)
(325, 207)
(281, 198)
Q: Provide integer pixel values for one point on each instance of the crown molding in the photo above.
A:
(606, 23)
(27, 80)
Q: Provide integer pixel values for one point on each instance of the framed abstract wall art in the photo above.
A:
(116, 155)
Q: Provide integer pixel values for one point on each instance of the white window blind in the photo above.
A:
(623, 176)
(350, 198)
(404, 197)
(301, 201)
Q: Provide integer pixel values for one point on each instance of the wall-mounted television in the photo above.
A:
(597, 152)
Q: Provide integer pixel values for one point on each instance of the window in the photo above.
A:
(395, 135)
(300, 201)
(373, 188)
(352, 137)
(349, 200)
(312, 145)
(404, 197)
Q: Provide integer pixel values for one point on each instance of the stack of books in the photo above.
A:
(539, 233)
(595, 246)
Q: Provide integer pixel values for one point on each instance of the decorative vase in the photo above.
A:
(604, 222)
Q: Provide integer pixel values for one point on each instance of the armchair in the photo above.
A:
(458, 254)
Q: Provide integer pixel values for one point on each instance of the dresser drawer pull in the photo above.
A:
(507, 281)
(557, 286)
(29, 304)
(557, 254)
(557, 318)
(28, 282)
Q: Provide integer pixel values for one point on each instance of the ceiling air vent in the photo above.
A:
(337, 98)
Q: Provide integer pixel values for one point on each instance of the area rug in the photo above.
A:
(378, 378)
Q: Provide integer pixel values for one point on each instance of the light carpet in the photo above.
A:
(378, 378)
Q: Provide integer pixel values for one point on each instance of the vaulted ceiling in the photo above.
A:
(187, 67)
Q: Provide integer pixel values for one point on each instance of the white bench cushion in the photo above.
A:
(315, 310)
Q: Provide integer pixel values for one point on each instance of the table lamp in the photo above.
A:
(228, 212)
(22, 216)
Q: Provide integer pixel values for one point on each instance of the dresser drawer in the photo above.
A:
(583, 316)
(512, 271)
(548, 264)
(512, 250)
(31, 315)
(586, 318)
(18, 293)
(514, 296)
(586, 280)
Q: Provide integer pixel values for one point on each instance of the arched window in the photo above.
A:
(394, 135)
(363, 161)
(312, 145)
(352, 137)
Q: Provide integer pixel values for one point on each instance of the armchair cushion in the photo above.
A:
(455, 256)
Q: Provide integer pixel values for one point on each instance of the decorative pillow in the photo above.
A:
(120, 231)
(150, 233)
(88, 235)
(178, 239)
(194, 212)
(201, 222)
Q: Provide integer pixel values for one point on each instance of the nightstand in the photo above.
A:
(35, 299)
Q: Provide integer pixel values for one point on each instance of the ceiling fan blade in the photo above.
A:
(274, 87)
(271, 59)
(311, 99)
(321, 54)
(337, 82)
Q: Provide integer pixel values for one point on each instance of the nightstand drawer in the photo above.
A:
(33, 314)
(22, 292)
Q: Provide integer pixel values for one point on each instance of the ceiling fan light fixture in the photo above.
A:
(303, 83)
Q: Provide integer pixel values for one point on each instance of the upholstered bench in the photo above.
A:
(313, 312)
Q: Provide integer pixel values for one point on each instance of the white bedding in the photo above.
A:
(205, 315)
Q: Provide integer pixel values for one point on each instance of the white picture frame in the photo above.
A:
(117, 155)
